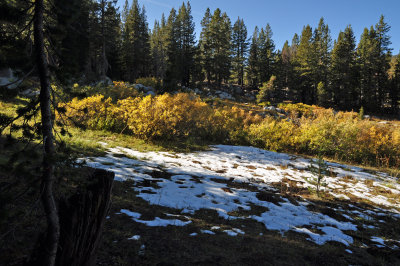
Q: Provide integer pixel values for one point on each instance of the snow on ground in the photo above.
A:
(156, 222)
(203, 180)
(135, 237)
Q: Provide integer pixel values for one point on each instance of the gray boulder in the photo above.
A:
(7, 77)
(139, 86)
(224, 95)
(152, 93)
(270, 108)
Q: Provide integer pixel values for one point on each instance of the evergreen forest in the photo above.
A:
(91, 40)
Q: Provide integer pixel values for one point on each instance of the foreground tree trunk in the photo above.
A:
(48, 201)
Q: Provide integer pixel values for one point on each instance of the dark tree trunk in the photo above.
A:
(104, 62)
(82, 218)
(48, 201)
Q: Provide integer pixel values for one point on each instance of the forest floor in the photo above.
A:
(245, 206)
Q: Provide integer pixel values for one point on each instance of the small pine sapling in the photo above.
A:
(320, 170)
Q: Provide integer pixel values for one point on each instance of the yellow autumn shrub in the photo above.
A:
(230, 124)
(275, 135)
(341, 135)
(166, 116)
(94, 112)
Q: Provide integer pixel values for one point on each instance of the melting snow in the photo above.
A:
(207, 232)
(378, 240)
(135, 237)
(194, 181)
(156, 222)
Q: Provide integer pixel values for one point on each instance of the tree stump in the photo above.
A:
(82, 218)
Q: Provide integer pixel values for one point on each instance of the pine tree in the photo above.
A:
(294, 84)
(253, 65)
(124, 13)
(71, 38)
(269, 91)
(205, 45)
(304, 62)
(13, 46)
(239, 50)
(113, 40)
(284, 69)
(266, 54)
(294, 45)
(173, 35)
(394, 93)
(144, 48)
(104, 40)
(223, 48)
(383, 60)
(367, 55)
(343, 72)
(158, 47)
(187, 44)
(216, 45)
(136, 45)
(321, 61)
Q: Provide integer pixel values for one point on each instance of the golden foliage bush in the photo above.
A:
(273, 135)
(341, 135)
(93, 112)
(166, 116)
(230, 124)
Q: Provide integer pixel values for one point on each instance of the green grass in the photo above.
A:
(86, 142)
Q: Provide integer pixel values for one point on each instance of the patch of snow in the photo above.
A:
(104, 144)
(378, 240)
(237, 230)
(331, 234)
(134, 215)
(135, 237)
(156, 222)
(200, 180)
(193, 234)
(230, 232)
(142, 250)
(339, 196)
(163, 222)
(207, 232)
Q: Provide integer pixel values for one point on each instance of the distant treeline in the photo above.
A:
(88, 40)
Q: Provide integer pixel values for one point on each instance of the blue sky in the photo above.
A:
(287, 17)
